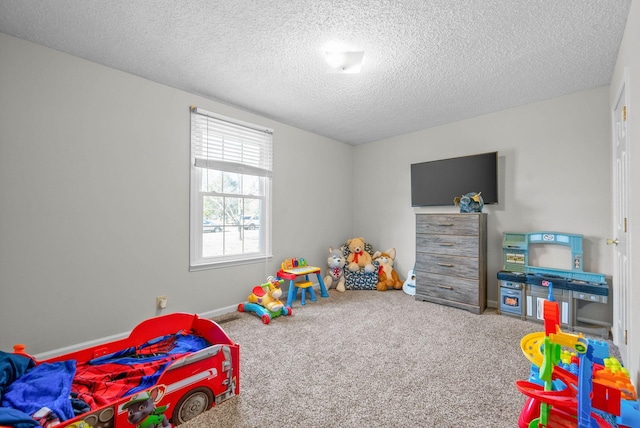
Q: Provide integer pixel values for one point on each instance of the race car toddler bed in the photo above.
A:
(168, 370)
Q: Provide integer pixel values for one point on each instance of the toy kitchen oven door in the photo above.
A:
(512, 294)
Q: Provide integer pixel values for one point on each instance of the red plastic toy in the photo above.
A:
(190, 365)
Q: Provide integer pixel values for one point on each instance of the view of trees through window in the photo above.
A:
(230, 192)
(231, 212)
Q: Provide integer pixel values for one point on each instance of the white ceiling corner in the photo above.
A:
(426, 63)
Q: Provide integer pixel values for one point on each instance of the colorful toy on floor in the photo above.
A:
(581, 388)
(292, 270)
(409, 285)
(264, 300)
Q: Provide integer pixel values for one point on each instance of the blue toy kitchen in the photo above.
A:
(583, 297)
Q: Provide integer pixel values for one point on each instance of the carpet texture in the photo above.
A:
(374, 359)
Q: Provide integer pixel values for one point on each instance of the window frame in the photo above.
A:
(257, 166)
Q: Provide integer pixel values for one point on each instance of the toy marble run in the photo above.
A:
(581, 388)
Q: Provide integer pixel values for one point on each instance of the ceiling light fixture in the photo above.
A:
(344, 62)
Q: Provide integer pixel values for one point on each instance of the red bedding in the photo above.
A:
(103, 380)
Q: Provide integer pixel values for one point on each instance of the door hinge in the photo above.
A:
(625, 337)
(625, 225)
(624, 113)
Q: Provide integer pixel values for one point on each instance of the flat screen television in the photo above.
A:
(438, 182)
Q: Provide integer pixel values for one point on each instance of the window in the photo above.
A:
(231, 168)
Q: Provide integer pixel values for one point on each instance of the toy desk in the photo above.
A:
(292, 273)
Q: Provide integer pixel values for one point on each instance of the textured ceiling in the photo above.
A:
(426, 63)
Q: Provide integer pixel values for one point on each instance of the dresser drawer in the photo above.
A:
(465, 267)
(451, 260)
(452, 245)
(466, 224)
(443, 287)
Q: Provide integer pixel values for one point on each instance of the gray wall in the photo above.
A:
(94, 201)
(94, 193)
(554, 175)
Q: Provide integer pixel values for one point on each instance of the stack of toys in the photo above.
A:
(574, 382)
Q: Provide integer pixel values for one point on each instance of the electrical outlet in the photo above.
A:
(161, 302)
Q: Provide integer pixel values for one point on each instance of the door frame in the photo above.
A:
(621, 270)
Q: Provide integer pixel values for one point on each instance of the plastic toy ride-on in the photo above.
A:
(264, 301)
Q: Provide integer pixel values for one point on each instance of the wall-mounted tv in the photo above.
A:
(438, 182)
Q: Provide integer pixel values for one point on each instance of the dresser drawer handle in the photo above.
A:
(446, 224)
(446, 287)
(445, 264)
(446, 244)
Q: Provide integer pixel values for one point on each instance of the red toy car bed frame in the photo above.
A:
(188, 386)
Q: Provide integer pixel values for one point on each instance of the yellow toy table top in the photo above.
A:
(302, 270)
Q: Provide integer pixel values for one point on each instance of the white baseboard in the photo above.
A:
(72, 348)
(218, 312)
(79, 346)
(94, 342)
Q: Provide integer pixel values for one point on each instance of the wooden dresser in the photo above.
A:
(451, 260)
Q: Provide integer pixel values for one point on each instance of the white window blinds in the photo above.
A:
(230, 145)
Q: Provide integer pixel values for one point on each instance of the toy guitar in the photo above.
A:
(409, 285)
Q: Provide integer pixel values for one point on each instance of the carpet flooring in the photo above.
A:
(374, 359)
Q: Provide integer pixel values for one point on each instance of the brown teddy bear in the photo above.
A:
(358, 257)
(387, 276)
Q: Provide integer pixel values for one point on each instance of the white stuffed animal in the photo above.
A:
(335, 271)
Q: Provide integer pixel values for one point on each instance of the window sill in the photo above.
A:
(229, 263)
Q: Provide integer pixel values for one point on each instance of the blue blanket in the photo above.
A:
(12, 366)
(26, 388)
(16, 418)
